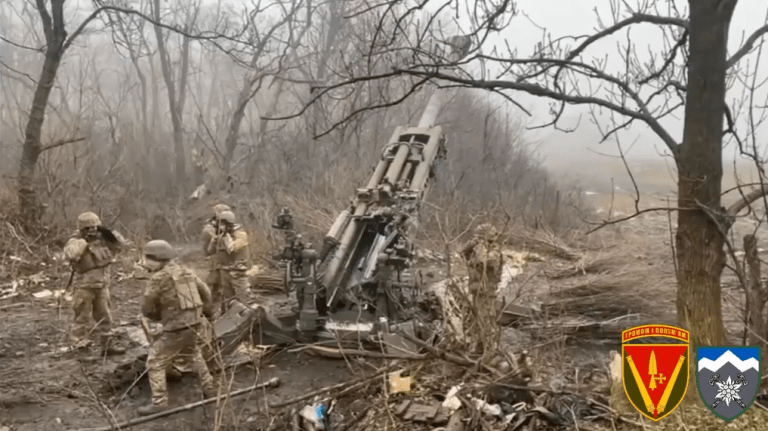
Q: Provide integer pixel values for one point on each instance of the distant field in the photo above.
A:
(655, 179)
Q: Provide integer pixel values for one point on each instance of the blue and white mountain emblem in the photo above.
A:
(728, 378)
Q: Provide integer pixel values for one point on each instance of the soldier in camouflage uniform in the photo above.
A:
(229, 249)
(90, 252)
(484, 264)
(209, 229)
(178, 298)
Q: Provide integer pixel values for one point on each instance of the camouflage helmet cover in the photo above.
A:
(219, 208)
(227, 216)
(487, 232)
(87, 219)
(159, 250)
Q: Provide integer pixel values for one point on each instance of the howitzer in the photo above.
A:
(361, 274)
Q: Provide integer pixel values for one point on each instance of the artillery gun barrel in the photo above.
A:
(422, 171)
(381, 168)
(352, 229)
(429, 116)
(393, 173)
(350, 237)
(340, 223)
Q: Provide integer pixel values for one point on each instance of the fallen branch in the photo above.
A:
(447, 355)
(340, 353)
(274, 382)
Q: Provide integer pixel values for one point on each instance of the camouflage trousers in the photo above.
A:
(91, 307)
(208, 348)
(480, 316)
(226, 285)
(168, 347)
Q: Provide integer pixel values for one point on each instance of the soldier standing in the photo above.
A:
(178, 298)
(90, 252)
(229, 248)
(484, 264)
(209, 229)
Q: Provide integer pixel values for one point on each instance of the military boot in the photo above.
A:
(151, 409)
(110, 346)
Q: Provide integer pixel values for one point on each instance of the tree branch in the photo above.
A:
(748, 198)
(101, 9)
(61, 143)
(538, 90)
(748, 45)
(634, 19)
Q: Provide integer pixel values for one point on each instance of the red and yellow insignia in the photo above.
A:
(655, 376)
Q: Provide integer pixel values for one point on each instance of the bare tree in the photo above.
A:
(57, 41)
(690, 74)
(176, 93)
(256, 73)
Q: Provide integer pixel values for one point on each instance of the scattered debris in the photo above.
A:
(452, 401)
(432, 413)
(489, 409)
(399, 383)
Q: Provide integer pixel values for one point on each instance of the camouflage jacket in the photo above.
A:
(231, 250)
(177, 297)
(209, 232)
(483, 257)
(91, 259)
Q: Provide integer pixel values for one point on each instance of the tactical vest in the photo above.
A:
(97, 255)
(234, 261)
(184, 307)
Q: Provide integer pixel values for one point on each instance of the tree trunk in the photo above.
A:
(699, 241)
(756, 294)
(55, 36)
(178, 137)
(230, 143)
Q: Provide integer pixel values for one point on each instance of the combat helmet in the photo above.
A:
(227, 216)
(159, 250)
(487, 232)
(87, 219)
(220, 208)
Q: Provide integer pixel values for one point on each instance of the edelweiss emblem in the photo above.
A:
(729, 390)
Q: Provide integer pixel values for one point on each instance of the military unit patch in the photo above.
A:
(728, 378)
(655, 372)
(655, 376)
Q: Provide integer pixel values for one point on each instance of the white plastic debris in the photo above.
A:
(489, 409)
(314, 415)
(452, 402)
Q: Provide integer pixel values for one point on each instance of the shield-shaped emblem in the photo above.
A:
(655, 375)
(728, 378)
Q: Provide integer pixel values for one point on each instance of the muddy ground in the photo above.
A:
(624, 277)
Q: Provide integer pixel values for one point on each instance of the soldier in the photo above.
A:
(209, 229)
(229, 248)
(483, 257)
(178, 298)
(484, 265)
(90, 252)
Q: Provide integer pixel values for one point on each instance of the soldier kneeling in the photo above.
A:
(178, 298)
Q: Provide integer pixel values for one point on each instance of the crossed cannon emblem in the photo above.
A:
(716, 379)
